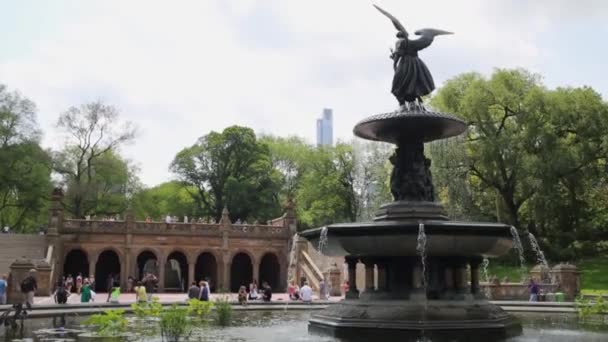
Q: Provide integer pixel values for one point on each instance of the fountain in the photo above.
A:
(409, 301)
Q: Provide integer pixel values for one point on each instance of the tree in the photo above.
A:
(231, 169)
(537, 152)
(169, 198)
(372, 172)
(326, 191)
(24, 165)
(98, 180)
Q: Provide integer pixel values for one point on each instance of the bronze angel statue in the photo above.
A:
(412, 78)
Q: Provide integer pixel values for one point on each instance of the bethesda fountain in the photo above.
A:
(427, 267)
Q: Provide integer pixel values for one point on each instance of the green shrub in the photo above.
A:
(223, 310)
(199, 308)
(146, 310)
(589, 311)
(108, 323)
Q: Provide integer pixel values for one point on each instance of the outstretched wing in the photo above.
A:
(396, 22)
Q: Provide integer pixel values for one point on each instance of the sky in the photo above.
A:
(180, 69)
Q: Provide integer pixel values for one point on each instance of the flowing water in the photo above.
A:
(322, 240)
(540, 258)
(520, 252)
(484, 265)
(421, 249)
(292, 258)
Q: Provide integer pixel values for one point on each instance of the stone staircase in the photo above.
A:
(15, 246)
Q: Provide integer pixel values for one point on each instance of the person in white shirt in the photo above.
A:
(306, 293)
(168, 219)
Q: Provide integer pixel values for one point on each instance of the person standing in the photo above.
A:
(3, 286)
(194, 292)
(533, 288)
(204, 296)
(267, 292)
(140, 293)
(115, 294)
(253, 290)
(150, 281)
(322, 289)
(78, 283)
(85, 293)
(130, 282)
(29, 287)
(306, 293)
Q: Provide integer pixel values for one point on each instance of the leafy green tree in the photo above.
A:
(539, 153)
(24, 166)
(169, 198)
(326, 190)
(231, 169)
(98, 180)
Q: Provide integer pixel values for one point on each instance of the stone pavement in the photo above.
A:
(128, 298)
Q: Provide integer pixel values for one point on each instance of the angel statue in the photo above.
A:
(412, 78)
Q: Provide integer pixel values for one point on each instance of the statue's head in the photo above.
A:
(401, 35)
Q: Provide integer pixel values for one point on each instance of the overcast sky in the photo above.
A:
(179, 69)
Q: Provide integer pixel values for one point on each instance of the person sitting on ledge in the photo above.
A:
(306, 293)
(243, 295)
(194, 291)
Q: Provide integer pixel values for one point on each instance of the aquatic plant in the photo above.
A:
(590, 310)
(223, 311)
(175, 324)
(199, 308)
(146, 310)
(108, 323)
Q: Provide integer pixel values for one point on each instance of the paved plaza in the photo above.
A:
(127, 298)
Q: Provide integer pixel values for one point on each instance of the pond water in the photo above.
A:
(265, 326)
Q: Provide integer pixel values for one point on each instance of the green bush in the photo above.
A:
(588, 311)
(223, 310)
(175, 324)
(146, 310)
(199, 308)
(108, 323)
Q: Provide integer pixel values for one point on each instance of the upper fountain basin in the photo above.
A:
(399, 238)
(416, 125)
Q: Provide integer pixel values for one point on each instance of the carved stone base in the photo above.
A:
(406, 210)
(410, 320)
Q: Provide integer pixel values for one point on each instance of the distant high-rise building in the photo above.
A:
(325, 128)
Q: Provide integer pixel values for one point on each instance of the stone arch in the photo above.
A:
(241, 270)
(206, 268)
(75, 261)
(107, 269)
(270, 270)
(147, 260)
(176, 271)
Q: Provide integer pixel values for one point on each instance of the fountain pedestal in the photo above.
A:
(434, 296)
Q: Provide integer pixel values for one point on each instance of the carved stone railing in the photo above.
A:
(90, 226)
(73, 226)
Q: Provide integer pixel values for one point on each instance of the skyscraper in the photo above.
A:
(325, 128)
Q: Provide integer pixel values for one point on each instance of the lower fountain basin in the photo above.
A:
(399, 238)
(407, 320)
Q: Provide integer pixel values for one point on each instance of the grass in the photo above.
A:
(594, 274)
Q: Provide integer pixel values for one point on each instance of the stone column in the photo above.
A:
(161, 275)
(256, 270)
(352, 293)
(226, 271)
(474, 263)
(191, 274)
(92, 264)
(382, 275)
(369, 274)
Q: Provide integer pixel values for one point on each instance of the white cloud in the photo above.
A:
(181, 69)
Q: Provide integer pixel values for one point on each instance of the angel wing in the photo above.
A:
(396, 22)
